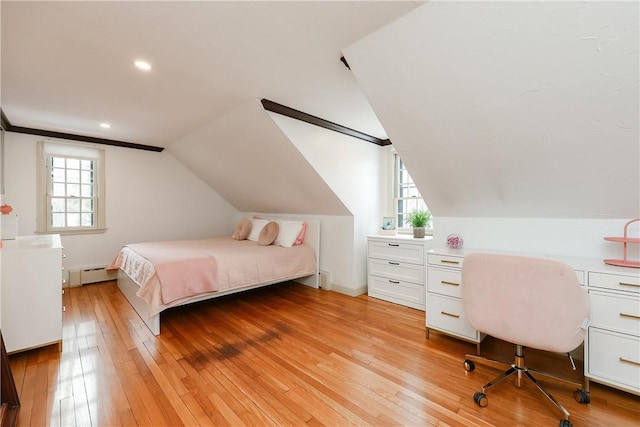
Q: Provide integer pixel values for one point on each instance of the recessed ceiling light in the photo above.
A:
(143, 65)
(105, 125)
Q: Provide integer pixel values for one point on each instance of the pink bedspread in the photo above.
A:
(171, 272)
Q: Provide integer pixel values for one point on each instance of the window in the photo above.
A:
(71, 189)
(406, 197)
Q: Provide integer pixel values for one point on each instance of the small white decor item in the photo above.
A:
(454, 241)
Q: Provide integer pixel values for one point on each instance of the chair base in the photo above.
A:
(520, 370)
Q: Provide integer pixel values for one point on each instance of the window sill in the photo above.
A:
(71, 232)
(427, 231)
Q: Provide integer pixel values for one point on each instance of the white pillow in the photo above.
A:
(256, 228)
(287, 232)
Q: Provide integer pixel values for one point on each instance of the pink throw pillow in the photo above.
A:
(300, 237)
(242, 229)
(268, 233)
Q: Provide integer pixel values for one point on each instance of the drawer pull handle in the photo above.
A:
(446, 261)
(395, 282)
(444, 282)
(394, 245)
(630, 316)
(629, 284)
(450, 315)
(394, 263)
(622, 359)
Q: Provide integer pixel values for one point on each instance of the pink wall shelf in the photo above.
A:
(624, 262)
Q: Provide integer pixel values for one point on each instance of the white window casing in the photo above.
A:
(71, 188)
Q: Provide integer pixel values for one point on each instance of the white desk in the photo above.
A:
(612, 344)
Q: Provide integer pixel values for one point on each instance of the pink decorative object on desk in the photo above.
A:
(454, 241)
(624, 262)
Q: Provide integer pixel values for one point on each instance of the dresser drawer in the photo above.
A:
(614, 357)
(397, 251)
(615, 281)
(445, 260)
(397, 270)
(405, 293)
(444, 282)
(615, 312)
(447, 314)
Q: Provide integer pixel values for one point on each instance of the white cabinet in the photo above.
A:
(396, 267)
(31, 292)
(612, 346)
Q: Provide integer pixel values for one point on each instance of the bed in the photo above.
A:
(155, 276)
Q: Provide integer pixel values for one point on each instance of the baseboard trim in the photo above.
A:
(352, 292)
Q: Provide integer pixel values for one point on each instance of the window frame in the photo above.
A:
(397, 169)
(46, 151)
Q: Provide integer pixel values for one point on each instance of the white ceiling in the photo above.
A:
(68, 66)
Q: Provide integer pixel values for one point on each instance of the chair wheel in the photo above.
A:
(565, 423)
(469, 365)
(480, 399)
(581, 396)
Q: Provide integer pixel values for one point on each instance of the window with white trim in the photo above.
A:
(406, 197)
(70, 188)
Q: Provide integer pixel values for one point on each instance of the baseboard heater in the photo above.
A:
(90, 275)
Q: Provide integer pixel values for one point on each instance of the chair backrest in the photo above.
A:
(533, 302)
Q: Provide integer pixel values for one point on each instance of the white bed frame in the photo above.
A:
(129, 287)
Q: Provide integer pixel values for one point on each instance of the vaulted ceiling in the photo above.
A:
(68, 66)
(499, 109)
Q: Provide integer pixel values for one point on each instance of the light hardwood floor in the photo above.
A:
(282, 355)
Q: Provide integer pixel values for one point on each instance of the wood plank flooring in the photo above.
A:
(284, 355)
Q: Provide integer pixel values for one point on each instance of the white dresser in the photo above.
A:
(31, 292)
(612, 344)
(396, 269)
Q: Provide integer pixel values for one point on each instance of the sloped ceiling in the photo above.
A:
(67, 66)
(250, 162)
(512, 109)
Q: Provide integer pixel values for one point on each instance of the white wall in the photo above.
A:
(512, 109)
(518, 121)
(149, 196)
(247, 159)
(356, 172)
(580, 237)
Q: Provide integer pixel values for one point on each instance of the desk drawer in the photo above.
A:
(615, 281)
(397, 270)
(447, 314)
(614, 357)
(615, 312)
(397, 251)
(405, 293)
(444, 282)
(445, 260)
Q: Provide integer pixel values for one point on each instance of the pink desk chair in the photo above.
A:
(530, 302)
